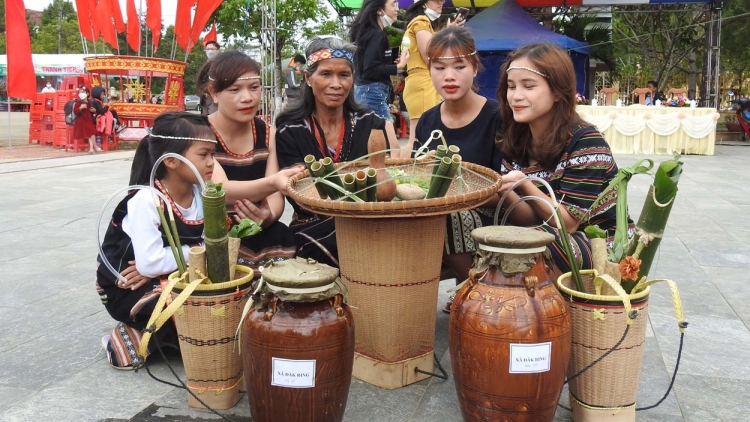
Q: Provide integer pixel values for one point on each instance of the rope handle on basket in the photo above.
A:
(676, 300)
(606, 278)
(160, 315)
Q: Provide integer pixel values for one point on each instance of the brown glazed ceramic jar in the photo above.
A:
(510, 330)
(298, 344)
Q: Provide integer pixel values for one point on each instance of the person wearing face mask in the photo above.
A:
(419, 93)
(212, 49)
(84, 128)
(48, 89)
(373, 62)
(293, 89)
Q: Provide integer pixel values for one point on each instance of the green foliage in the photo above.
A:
(395, 36)
(599, 37)
(2, 43)
(2, 23)
(735, 50)
(46, 40)
(51, 12)
(246, 228)
(295, 22)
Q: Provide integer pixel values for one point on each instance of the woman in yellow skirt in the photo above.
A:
(419, 94)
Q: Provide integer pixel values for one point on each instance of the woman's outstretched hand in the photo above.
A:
(280, 179)
(402, 59)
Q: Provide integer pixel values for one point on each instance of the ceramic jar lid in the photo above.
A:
(299, 273)
(511, 239)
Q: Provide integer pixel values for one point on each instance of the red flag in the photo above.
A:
(117, 14)
(106, 22)
(21, 80)
(153, 20)
(211, 36)
(84, 23)
(134, 27)
(205, 9)
(183, 22)
(94, 19)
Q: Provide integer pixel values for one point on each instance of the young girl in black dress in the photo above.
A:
(135, 243)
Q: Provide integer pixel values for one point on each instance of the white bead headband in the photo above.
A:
(183, 138)
(244, 78)
(527, 68)
(460, 56)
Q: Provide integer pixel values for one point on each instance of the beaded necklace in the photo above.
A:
(344, 137)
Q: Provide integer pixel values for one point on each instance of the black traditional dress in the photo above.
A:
(132, 308)
(275, 242)
(477, 143)
(315, 234)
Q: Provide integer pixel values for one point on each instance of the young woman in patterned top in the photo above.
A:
(545, 137)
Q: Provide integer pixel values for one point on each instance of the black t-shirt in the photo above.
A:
(476, 140)
(373, 61)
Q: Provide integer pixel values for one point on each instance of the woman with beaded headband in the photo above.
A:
(327, 122)
(545, 137)
(373, 62)
(466, 120)
(135, 242)
(246, 156)
(419, 94)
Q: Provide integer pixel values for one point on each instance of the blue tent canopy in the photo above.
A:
(504, 27)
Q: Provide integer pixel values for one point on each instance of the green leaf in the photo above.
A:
(665, 180)
(245, 228)
(594, 232)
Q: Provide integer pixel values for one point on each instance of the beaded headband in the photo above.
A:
(329, 53)
(243, 78)
(527, 68)
(182, 138)
(460, 56)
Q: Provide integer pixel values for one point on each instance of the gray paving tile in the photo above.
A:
(713, 398)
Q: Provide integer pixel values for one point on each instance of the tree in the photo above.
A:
(295, 20)
(59, 9)
(735, 51)
(584, 28)
(51, 40)
(661, 41)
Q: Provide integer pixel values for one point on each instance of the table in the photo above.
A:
(639, 129)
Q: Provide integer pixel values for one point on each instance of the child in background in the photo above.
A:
(135, 242)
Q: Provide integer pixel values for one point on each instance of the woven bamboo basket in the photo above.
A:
(389, 255)
(607, 391)
(206, 323)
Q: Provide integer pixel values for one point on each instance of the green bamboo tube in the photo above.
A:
(350, 184)
(309, 160)
(360, 181)
(437, 180)
(215, 233)
(452, 150)
(333, 174)
(440, 152)
(317, 170)
(455, 162)
(652, 221)
(372, 181)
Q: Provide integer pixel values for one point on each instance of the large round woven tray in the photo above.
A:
(478, 186)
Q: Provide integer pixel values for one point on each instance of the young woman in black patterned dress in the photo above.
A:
(246, 157)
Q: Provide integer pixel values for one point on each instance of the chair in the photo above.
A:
(677, 91)
(641, 93)
(608, 96)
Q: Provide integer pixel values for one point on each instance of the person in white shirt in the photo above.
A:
(135, 243)
(48, 89)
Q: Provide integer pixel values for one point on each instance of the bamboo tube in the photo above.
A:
(234, 251)
(317, 170)
(372, 180)
(377, 147)
(215, 232)
(440, 152)
(332, 174)
(349, 184)
(437, 180)
(360, 179)
(455, 162)
(309, 160)
(197, 262)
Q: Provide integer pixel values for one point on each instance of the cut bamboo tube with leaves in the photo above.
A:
(436, 182)
(215, 231)
(309, 160)
(245, 228)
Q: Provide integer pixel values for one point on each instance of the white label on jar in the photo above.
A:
(292, 373)
(530, 358)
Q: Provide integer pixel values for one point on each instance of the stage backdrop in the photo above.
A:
(505, 27)
(403, 4)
